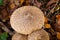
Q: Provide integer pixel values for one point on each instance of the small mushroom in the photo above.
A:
(18, 36)
(27, 19)
(38, 35)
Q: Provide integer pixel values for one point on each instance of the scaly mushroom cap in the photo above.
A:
(18, 36)
(39, 35)
(27, 19)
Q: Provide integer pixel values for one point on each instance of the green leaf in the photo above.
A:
(1, 2)
(4, 36)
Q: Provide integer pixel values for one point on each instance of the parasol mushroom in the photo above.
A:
(18, 36)
(38, 35)
(27, 19)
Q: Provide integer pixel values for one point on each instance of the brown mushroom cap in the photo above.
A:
(39, 35)
(27, 19)
(18, 36)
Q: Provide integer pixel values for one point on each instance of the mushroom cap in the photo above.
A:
(38, 35)
(27, 19)
(18, 36)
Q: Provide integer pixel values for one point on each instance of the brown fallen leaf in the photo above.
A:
(12, 5)
(6, 18)
(51, 2)
(27, 2)
(21, 1)
(47, 26)
(38, 4)
(57, 27)
(3, 14)
(58, 16)
(58, 35)
(45, 20)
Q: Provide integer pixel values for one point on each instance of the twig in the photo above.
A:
(52, 10)
(5, 28)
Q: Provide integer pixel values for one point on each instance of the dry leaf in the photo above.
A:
(4, 14)
(38, 4)
(57, 27)
(6, 18)
(58, 35)
(12, 6)
(57, 8)
(27, 2)
(58, 16)
(21, 1)
(47, 26)
(51, 2)
(45, 20)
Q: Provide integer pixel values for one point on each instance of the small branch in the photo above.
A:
(5, 28)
